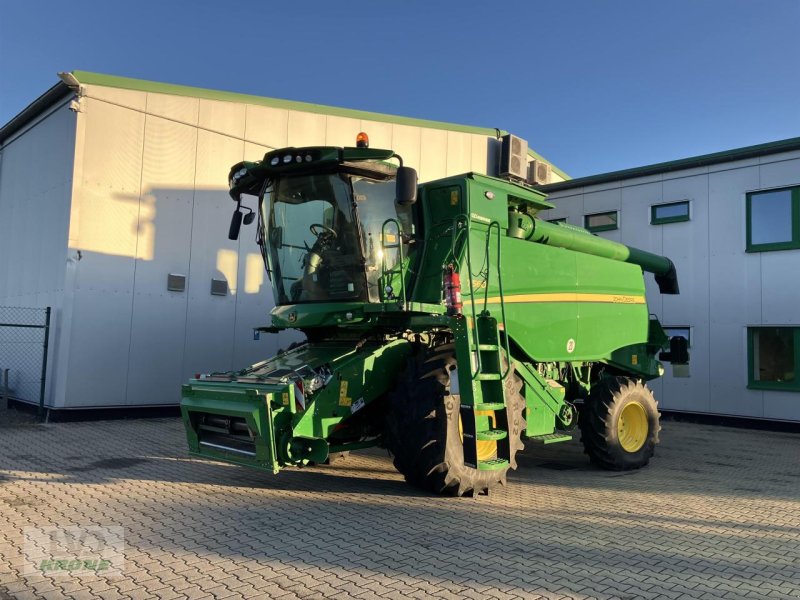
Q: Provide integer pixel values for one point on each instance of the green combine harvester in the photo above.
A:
(443, 321)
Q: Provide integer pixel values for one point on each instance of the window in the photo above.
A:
(604, 221)
(682, 331)
(557, 221)
(773, 358)
(672, 212)
(773, 220)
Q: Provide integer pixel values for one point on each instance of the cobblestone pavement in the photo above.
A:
(716, 515)
(11, 417)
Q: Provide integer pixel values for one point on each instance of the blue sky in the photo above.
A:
(592, 85)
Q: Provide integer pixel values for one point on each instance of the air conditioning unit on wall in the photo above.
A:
(514, 157)
(539, 172)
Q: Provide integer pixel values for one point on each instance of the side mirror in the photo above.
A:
(406, 181)
(249, 218)
(236, 225)
(678, 351)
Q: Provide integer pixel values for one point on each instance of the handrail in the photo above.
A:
(459, 232)
(461, 228)
(505, 373)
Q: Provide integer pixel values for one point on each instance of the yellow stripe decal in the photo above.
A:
(570, 297)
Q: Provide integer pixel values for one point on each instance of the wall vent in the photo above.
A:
(514, 157)
(219, 287)
(176, 283)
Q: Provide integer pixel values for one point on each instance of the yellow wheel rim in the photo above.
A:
(487, 449)
(632, 427)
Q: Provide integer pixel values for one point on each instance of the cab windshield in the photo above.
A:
(324, 237)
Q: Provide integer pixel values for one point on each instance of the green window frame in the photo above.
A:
(794, 208)
(655, 219)
(773, 358)
(612, 215)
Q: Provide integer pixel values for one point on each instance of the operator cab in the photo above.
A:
(329, 228)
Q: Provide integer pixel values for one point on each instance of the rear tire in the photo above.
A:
(423, 427)
(619, 424)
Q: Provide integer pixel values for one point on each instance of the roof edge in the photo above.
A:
(116, 81)
(702, 160)
(51, 97)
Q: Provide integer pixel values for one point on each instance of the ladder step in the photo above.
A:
(489, 406)
(488, 347)
(489, 377)
(492, 465)
(492, 434)
(551, 438)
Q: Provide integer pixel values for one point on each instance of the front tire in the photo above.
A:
(423, 427)
(620, 424)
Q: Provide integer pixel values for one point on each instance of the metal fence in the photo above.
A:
(24, 336)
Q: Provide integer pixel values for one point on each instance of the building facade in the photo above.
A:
(730, 222)
(114, 211)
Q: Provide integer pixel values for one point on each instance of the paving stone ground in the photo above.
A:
(716, 515)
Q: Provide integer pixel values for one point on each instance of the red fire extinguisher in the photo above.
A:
(452, 291)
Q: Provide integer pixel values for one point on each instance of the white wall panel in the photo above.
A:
(222, 117)
(127, 98)
(306, 129)
(780, 288)
(733, 165)
(433, 154)
(211, 319)
(602, 200)
(478, 161)
(686, 244)
(569, 206)
(251, 152)
(728, 393)
(632, 182)
(781, 405)
(734, 276)
(158, 323)
(459, 153)
(341, 131)
(104, 232)
(99, 342)
(112, 152)
(380, 134)
(178, 108)
(267, 126)
(684, 173)
(775, 174)
(407, 142)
